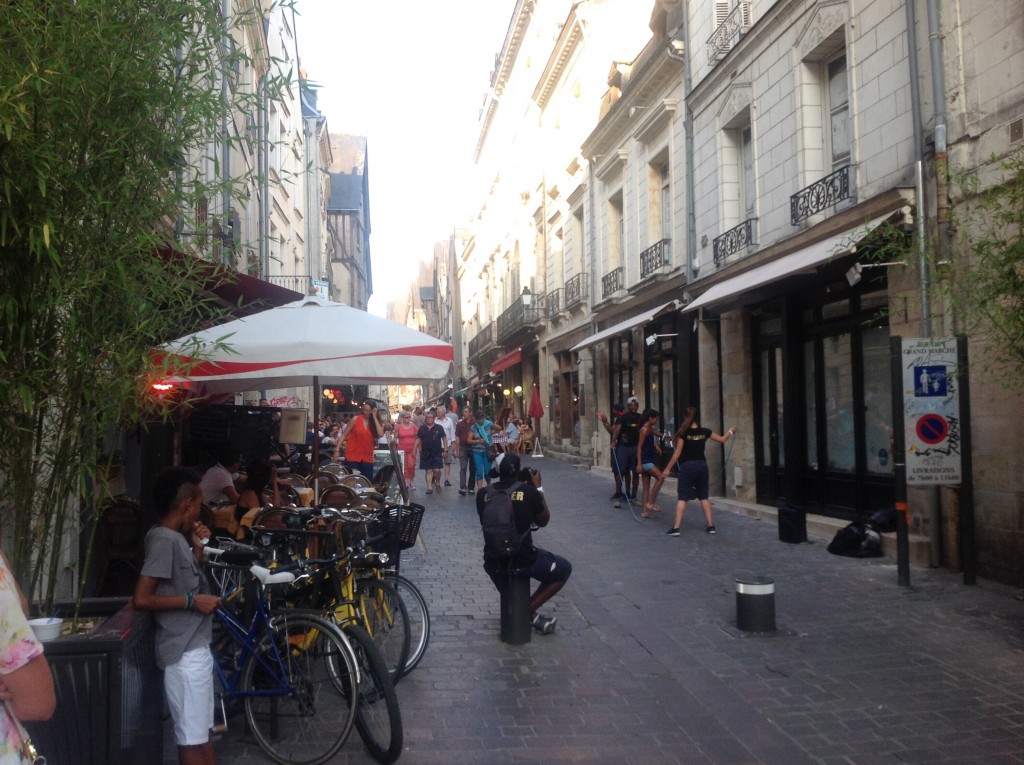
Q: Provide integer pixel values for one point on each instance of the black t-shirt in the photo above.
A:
(431, 441)
(528, 504)
(693, 444)
(629, 430)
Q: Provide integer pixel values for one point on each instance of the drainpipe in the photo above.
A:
(942, 233)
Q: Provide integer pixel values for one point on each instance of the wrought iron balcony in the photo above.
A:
(735, 239)
(729, 31)
(482, 341)
(576, 290)
(655, 257)
(552, 304)
(519, 316)
(612, 282)
(820, 195)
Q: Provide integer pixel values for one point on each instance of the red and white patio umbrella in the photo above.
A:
(310, 342)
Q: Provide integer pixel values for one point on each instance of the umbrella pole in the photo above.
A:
(316, 440)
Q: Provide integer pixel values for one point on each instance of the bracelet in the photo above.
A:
(188, 601)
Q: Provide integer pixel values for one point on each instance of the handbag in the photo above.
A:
(491, 449)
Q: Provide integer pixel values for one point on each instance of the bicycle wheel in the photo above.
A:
(386, 618)
(378, 718)
(419, 618)
(293, 704)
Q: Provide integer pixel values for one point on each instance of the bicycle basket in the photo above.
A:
(406, 520)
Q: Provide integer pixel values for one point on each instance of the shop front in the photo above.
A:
(806, 338)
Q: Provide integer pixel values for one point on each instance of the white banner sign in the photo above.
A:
(931, 411)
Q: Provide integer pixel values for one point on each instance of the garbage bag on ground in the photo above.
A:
(857, 540)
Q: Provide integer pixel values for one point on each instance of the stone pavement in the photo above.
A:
(646, 665)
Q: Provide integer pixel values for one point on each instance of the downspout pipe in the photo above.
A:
(689, 173)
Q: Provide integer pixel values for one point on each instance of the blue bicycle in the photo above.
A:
(295, 673)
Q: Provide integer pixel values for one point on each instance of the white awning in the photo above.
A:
(622, 326)
(796, 262)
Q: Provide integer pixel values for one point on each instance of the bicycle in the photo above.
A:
(295, 674)
(377, 714)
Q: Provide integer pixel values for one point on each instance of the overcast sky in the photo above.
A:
(410, 75)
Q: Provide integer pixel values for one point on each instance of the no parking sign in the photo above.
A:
(931, 411)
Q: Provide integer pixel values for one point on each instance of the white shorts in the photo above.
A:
(188, 685)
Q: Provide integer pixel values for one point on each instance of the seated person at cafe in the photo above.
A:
(218, 482)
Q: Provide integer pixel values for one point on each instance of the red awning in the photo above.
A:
(242, 293)
(509, 359)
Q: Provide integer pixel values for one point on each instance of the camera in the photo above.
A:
(526, 474)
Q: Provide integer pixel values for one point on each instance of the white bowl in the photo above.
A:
(46, 629)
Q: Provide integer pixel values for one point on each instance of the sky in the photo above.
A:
(411, 76)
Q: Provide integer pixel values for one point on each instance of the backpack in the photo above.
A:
(502, 539)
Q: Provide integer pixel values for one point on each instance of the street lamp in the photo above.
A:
(527, 297)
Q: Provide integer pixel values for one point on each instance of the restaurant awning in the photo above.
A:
(508, 360)
(797, 262)
(622, 326)
(243, 294)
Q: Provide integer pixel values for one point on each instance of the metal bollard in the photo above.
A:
(755, 604)
(515, 611)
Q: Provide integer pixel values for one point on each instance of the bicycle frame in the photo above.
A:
(249, 640)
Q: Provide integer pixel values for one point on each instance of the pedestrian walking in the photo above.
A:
(690, 442)
(432, 446)
(467, 465)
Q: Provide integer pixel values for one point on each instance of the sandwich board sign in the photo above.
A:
(931, 411)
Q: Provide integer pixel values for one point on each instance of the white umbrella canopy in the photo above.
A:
(312, 341)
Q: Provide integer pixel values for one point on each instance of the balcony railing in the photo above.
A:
(552, 304)
(518, 316)
(735, 239)
(820, 195)
(612, 282)
(295, 283)
(576, 290)
(482, 340)
(655, 257)
(729, 31)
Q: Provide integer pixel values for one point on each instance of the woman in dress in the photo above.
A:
(405, 433)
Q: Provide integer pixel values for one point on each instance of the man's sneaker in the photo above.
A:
(710, 529)
(462, 492)
(617, 495)
(545, 625)
(673, 532)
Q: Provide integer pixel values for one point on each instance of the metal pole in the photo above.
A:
(899, 450)
(966, 464)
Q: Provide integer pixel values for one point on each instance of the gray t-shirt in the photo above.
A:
(169, 560)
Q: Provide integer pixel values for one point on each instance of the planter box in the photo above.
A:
(109, 691)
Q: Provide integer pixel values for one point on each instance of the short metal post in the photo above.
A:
(515, 611)
(755, 604)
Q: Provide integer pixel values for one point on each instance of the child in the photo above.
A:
(173, 585)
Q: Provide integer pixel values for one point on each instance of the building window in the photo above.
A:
(748, 191)
(838, 106)
(616, 231)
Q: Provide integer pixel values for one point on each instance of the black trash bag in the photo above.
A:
(857, 540)
(883, 520)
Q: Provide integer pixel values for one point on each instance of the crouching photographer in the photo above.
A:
(519, 508)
